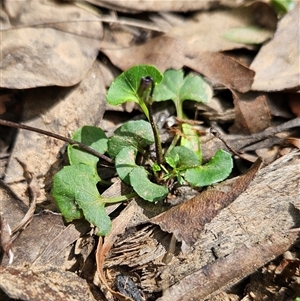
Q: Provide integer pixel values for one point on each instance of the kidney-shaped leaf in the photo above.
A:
(91, 136)
(216, 170)
(125, 86)
(63, 193)
(144, 187)
(74, 188)
(125, 162)
(187, 158)
(179, 88)
(134, 133)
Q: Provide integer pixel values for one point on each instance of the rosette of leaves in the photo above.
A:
(75, 186)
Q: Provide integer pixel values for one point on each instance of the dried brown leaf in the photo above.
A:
(252, 113)
(47, 283)
(33, 191)
(49, 44)
(187, 220)
(205, 30)
(276, 65)
(170, 5)
(166, 52)
(118, 227)
(220, 68)
(58, 110)
(224, 272)
(38, 235)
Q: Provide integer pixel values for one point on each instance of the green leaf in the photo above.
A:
(191, 140)
(125, 162)
(74, 188)
(216, 170)
(134, 133)
(183, 157)
(282, 6)
(248, 35)
(177, 88)
(144, 187)
(91, 136)
(125, 87)
(172, 160)
(63, 193)
(156, 167)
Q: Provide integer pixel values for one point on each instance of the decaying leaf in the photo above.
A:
(58, 110)
(170, 5)
(207, 29)
(201, 284)
(187, 219)
(268, 208)
(118, 227)
(276, 65)
(59, 51)
(252, 113)
(47, 283)
(166, 52)
(33, 192)
(222, 69)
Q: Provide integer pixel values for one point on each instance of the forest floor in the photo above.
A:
(237, 240)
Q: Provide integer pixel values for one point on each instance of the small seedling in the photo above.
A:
(75, 186)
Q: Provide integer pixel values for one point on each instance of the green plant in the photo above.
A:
(75, 186)
(282, 7)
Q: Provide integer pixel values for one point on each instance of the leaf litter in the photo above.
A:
(48, 47)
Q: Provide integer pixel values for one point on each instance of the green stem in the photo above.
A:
(118, 199)
(173, 143)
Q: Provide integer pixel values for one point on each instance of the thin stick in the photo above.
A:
(56, 136)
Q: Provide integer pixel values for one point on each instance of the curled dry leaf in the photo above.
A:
(276, 65)
(187, 220)
(59, 51)
(118, 227)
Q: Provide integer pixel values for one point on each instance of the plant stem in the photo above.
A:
(118, 199)
(158, 148)
(145, 92)
(56, 136)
